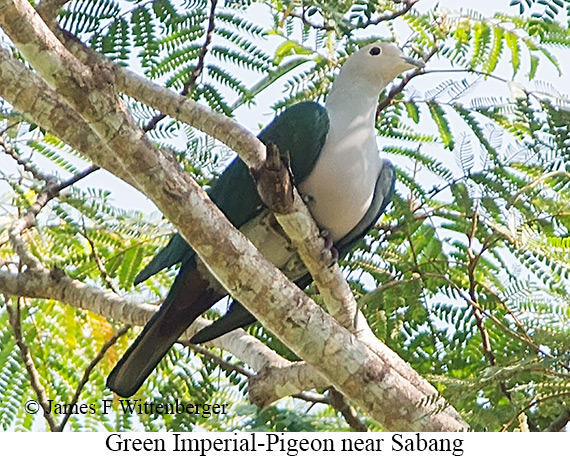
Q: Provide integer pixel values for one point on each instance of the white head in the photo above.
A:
(377, 64)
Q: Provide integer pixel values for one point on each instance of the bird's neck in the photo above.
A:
(342, 181)
(352, 106)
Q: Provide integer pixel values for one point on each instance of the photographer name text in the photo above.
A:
(137, 407)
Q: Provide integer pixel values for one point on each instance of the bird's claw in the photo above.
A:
(307, 199)
(329, 254)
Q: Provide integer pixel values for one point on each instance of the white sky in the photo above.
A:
(261, 113)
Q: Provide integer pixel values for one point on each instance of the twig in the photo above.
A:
(35, 381)
(477, 311)
(532, 404)
(201, 58)
(51, 190)
(224, 364)
(473, 261)
(190, 84)
(408, 4)
(25, 163)
(312, 397)
(404, 82)
(28, 220)
(560, 422)
(87, 373)
(339, 403)
(104, 274)
(536, 182)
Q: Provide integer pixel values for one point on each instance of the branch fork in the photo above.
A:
(365, 371)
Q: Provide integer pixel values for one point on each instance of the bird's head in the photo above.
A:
(378, 63)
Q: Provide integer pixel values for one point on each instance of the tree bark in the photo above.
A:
(377, 380)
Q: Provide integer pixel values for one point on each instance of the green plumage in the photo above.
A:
(300, 131)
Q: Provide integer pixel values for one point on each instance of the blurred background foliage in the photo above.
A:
(467, 275)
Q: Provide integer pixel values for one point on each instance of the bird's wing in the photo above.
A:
(237, 316)
(300, 131)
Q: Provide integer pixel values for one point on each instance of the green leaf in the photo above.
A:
(290, 48)
(438, 115)
(513, 44)
(413, 111)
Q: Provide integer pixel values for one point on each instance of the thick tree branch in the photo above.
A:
(55, 285)
(29, 94)
(365, 376)
(276, 381)
(306, 396)
(48, 10)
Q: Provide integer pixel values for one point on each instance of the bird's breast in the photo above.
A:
(340, 188)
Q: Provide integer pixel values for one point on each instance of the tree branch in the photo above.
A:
(28, 220)
(100, 266)
(338, 402)
(306, 396)
(33, 374)
(191, 83)
(55, 285)
(25, 164)
(477, 311)
(108, 344)
(279, 380)
(371, 379)
(408, 5)
(202, 57)
(29, 94)
(49, 9)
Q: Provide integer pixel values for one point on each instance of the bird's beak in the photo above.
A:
(414, 63)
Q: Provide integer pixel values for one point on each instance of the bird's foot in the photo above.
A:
(329, 254)
(307, 199)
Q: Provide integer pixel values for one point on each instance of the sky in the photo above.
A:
(261, 113)
(252, 116)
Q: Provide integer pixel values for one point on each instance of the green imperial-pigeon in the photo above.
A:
(337, 168)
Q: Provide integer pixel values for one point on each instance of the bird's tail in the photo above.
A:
(190, 295)
(236, 317)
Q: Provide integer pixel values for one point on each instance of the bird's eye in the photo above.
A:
(375, 51)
